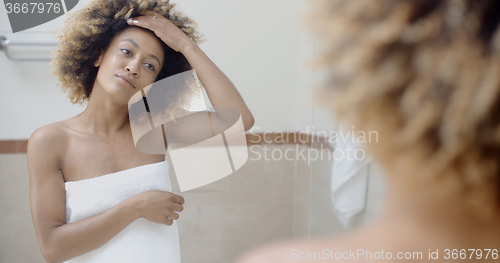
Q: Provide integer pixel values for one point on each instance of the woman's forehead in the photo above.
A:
(137, 34)
(139, 38)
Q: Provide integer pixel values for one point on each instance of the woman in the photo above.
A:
(107, 52)
(423, 74)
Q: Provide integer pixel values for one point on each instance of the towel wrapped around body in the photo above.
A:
(140, 241)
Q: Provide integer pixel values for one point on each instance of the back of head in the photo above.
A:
(424, 74)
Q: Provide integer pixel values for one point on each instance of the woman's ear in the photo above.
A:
(97, 63)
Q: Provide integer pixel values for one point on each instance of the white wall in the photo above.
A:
(30, 98)
(260, 45)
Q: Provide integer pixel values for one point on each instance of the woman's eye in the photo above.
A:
(150, 66)
(125, 51)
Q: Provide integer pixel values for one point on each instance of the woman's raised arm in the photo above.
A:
(220, 89)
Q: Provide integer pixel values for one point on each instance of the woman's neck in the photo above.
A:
(103, 116)
(445, 219)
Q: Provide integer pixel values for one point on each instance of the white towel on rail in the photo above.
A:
(349, 183)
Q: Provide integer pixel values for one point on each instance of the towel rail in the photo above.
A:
(5, 44)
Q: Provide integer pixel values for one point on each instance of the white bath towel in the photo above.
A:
(140, 241)
(349, 178)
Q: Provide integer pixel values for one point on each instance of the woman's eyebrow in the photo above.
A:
(153, 56)
(135, 45)
(131, 41)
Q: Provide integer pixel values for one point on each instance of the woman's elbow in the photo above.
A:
(49, 252)
(48, 255)
(248, 124)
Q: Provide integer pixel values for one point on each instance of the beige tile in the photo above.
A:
(17, 235)
(256, 207)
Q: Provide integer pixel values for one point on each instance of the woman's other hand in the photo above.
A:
(159, 206)
(163, 28)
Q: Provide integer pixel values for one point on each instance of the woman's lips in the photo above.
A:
(125, 82)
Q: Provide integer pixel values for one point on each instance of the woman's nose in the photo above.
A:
(133, 68)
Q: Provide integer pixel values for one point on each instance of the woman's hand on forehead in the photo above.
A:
(163, 28)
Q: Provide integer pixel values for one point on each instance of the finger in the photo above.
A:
(173, 216)
(149, 12)
(140, 21)
(178, 199)
(178, 207)
(149, 15)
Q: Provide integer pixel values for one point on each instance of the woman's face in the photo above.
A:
(132, 61)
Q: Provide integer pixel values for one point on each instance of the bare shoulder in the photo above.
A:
(316, 249)
(49, 139)
(48, 132)
(287, 251)
(46, 147)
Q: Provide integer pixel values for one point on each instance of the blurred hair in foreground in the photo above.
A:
(425, 75)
